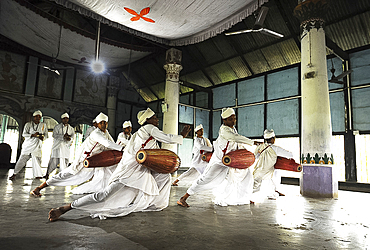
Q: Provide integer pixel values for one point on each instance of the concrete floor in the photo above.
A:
(290, 222)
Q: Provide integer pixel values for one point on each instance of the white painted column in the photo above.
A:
(113, 88)
(319, 176)
(171, 99)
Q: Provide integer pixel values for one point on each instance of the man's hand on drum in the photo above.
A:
(185, 131)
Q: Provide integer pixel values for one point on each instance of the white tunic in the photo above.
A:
(123, 139)
(133, 187)
(264, 167)
(101, 175)
(201, 145)
(231, 186)
(97, 142)
(61, 147)
(32, 145)
(88, 131)
(76, 173)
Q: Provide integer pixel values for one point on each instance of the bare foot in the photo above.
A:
(38, 177)
(175, 184)
(182, 203)
(252, 202)
(55, 213)
(35, 192)
(12, 178)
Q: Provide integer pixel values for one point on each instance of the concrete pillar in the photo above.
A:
(113, 88)
(171, 99)
(319, 177)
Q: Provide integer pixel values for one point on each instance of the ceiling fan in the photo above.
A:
(258, 26)
(336, 79)
(82, 60)
(52, 67)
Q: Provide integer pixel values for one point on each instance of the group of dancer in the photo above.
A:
(131, 187)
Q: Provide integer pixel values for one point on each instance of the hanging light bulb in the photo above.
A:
(98, 67)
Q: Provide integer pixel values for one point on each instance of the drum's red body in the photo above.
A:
(287, 164)
(103, 159)
(160, 160)
(240, 158)
(206, 156)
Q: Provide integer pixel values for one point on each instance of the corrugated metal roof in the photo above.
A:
(159, 89)
(238, 66)
(224, 59)
(147, 95)
(213, 76)
(290, 51)
(351, 33)
(197, 78)
(257, 62)
(209, 51)
(224, 72)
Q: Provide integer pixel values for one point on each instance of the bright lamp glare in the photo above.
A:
(97, 67)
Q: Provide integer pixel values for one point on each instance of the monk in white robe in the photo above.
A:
(133, 187)
(63, 135)
(237, 183)
(201, 145)
(266, 155)
(99, 141)
(34, 133)
(124, 137)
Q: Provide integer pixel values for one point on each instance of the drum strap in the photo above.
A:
(225, 148)
(202, 151)
(88, 153)
(144, 144)
(265, 148)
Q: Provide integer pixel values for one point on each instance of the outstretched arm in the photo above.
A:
(168, 138)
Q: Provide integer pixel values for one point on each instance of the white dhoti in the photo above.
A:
(98, 183)
(68, 178)
(120, 198)
(212, 177)
(54, 162)
(236, 189)
(36, 164)
(191, 173)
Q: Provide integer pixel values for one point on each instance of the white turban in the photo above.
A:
(200, 126)
(143, 115)
(126, 124)
(37, 112)
(267, 134)
(227, 112)
(65, 115)
(94, 121)
(101, 117)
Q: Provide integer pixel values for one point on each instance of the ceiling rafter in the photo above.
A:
(200, 66)
(289, 25)
(138, 76)
(240, 53)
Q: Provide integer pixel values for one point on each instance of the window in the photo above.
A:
(10, 134)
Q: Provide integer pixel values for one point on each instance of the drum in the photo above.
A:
(103, 159)
(207, 156)
(287, 164)
(162, 161)
(240, 158)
